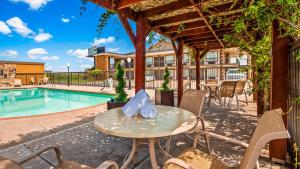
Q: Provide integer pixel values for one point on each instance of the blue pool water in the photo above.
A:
(26, 102)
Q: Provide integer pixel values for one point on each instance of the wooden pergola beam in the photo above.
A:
(206, 22)
(176, 19)
(199, 56)
(179, 72)
(279, 86)
(206, 35)
(126, 3)
(201, 30)
(199, 40)
(127, 27)
(208, 47)
(204, 42)
(187, 26)
(182, 4)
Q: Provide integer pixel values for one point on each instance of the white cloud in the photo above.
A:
(79, 53)
(33, 4)
(36, 53)
(113, 49)
(9, 53)
(19, 26)
(83, 67)
(103, 41)
(65, 20)
(50, 58)
(4, 29)
(41, 36)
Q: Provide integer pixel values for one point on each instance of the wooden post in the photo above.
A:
(197, 59)
(140, 54)
(279, 87)
(179, 71)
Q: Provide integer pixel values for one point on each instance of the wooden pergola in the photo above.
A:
(187, 24)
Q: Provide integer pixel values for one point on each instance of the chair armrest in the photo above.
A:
(220, 137)
(179, 162)
(39, 152)
(108, 164)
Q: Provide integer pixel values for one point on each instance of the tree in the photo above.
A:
(165, 85)
(121, 95)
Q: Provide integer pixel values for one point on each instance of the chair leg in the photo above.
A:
(205, 136)
(220, 99)
(246, 97)
(237, 101)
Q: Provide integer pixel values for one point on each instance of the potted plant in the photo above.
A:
(163, 95)
(121, 96)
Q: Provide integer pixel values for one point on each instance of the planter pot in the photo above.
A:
(164, 97)
(112, 105)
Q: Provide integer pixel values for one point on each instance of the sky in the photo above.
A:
(54, 32)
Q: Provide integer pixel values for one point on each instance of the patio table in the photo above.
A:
(169, 122)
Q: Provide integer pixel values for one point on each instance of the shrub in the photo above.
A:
(165, 85)
(121, 95)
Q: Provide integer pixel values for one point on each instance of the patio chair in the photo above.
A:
(192, 100)
(227, 90)
(17, 83)
(270, 127)
(32, 81)
(240, 89)
(6, 163)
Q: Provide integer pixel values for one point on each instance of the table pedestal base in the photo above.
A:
(151, 144)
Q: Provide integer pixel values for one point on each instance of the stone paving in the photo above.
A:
(82, 143)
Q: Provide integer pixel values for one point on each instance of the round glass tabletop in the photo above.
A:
(170, 121)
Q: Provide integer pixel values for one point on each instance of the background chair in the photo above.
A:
(17, 83)
(240, 89)
(192, 100)
(270, 127)
(227, 90)
(32, 81)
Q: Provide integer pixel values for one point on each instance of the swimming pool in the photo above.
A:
(35, 101)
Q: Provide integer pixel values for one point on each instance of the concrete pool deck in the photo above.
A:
(28, 128)
(81, 142)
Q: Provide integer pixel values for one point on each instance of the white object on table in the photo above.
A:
(134, 105)
(149, 111)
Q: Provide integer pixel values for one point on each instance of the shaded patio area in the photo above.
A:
(84, 144)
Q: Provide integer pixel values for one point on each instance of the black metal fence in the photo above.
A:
(294, 93)
(153, 77)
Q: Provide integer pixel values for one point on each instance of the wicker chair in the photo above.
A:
(192, 100)
(270, 127)
(240, 89)
(227, 90)
(62, 164)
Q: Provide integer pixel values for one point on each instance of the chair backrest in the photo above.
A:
(192, 100)
(240, 85)
(228, 88)
(46, 79)
(18, 81)
(32, 79)
(270, 127)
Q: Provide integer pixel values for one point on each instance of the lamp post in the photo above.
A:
(129, 73)
(68, 66)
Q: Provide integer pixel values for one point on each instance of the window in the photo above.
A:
(159, 62)
(149, 61)
(1, 72)
(233, 60)
(212, 57)
(170, 60)
(212, 73)
(243, 60)
(186, 59)
(111, 63)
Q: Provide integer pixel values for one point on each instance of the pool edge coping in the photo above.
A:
(55, 113)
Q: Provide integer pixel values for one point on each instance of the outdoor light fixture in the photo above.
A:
(68, 66)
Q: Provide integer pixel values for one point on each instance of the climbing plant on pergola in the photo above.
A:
(263, 28)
